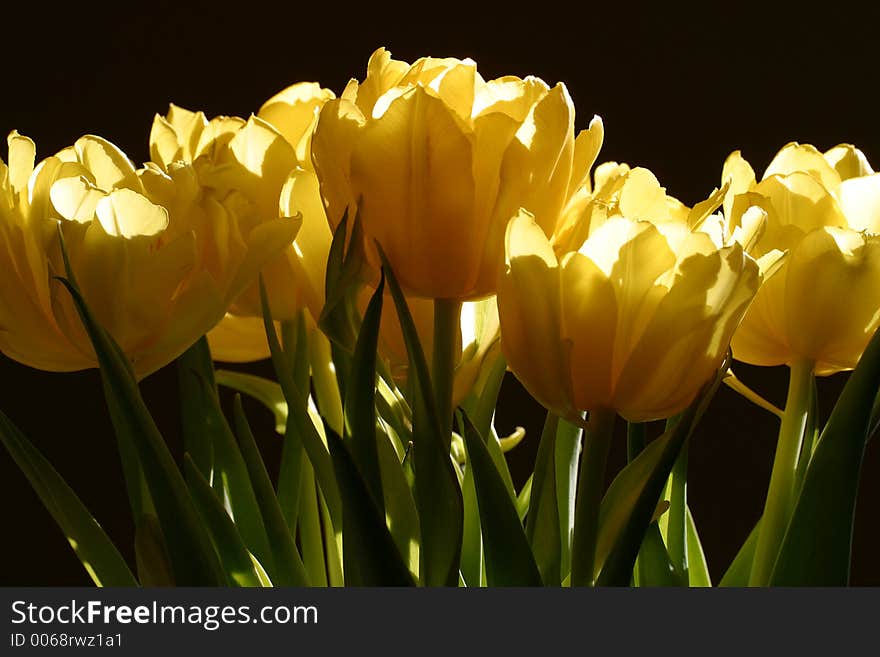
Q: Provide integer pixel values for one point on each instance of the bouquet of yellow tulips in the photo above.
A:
(395, 251)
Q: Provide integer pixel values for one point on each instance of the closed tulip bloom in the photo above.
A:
(155, 277)
(823, 304)
(635, 321)
(436, 159)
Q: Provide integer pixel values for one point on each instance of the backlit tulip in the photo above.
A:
(823, 304)
(266, 163)
(437, 160)
(635, 321)
(157, 269)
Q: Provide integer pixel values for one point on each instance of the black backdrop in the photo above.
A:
(677, 89)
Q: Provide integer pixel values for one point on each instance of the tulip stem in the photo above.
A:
(591, 486)
(447, 323)
(780, 494)
(676, 527)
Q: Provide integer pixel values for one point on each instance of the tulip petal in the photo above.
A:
(860, 201)
(589, 322)
(848, 161)
(529, 308)
(825, 263)
(293, 112)
(805, 158)
(109, 166)
(127, 214)
(335, 133)
(415, 163)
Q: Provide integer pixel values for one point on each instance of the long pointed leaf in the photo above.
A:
(630, 501)
(233, 483)
(298, 412)
(509, 558)
(817, 546)
(740, 569)
(370, 556)
(360, 399)
(698, 569)
(236, 559)
(193, 557)
(542, 522)
(195, 375)
(288, 566)
(92, 546)
(438, 494)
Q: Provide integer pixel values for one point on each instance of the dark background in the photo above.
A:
(677, 89)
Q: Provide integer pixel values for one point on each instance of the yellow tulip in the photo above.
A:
(265, 162)
(823, 304)
(437, 160)
(157, 270)
(635, 321)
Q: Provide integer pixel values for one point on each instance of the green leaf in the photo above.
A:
(237, 561)
(524, 499)
(472, 567)
(311, 539)
(817, 546)
(400, 506)
(360, 399)
(150, 553)
(568, 445)
(698, 569)
(438, 494)
(655, 565)
(370, 556)
(542, 521)
(195, 364)
(92, 546)
(233, 484)
(493, 444)
(341, 283)
(265, 391)
(189, 546)
(740, 570)
(509, 559)
(288, 567)
(297, 404)
(630, 502)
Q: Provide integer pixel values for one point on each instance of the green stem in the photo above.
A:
(780, 494)
(591, 485)
(636, 439)
(447, 327)
(676, 529)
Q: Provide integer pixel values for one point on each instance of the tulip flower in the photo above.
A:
(822, 305)
(264, 161)
(817, 313)
(635, 321)
(156, 272)
(437, 160)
